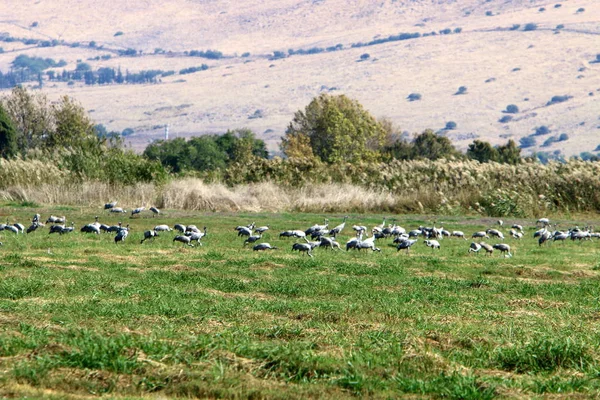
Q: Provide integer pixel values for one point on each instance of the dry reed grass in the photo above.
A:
(443, 187)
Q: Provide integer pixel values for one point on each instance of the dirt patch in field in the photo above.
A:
(267, 266)
(537, 303)
(233, 295)
(77, 267)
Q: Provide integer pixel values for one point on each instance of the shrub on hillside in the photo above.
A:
(541, 130)
(558, 99)
(530, 27)
(512, 109)
(527, 141)
(414, 97)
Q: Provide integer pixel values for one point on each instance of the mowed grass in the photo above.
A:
(81, 316)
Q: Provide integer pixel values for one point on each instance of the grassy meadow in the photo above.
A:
(81, 316)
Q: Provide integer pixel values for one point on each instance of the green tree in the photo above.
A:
(173, 154)
(8, 136)
(205, 154)
(339, 130)
(73, 127)
(482, 151)
(509, 153)
(432, 146)
(31, 115)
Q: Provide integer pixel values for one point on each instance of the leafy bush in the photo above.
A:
(558, 99)
(461, 90)
(489, 13)
(505, 119)
(530, 27)
(541, 130)
(558, 5)
(542, 9)
(549, 141)
(515, 27)
(414, 97)
(246, 54)
(365, 56)
(129, 52)
(580, 10)
(277, 55)
(560, 26)
(512, 109)
(119, 33)
(450, 125)
(527, 141)
(457, 30)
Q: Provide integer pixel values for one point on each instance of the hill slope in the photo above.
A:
(498, 66)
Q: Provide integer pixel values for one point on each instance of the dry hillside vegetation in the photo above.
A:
(498, 66)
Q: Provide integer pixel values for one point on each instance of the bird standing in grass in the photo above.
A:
(155, 211)
(137, 211)
(122, 235)
(338, 229)
(263, 247)
(152, 234)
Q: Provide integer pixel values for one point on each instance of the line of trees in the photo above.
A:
(208, 152)
(336, 129)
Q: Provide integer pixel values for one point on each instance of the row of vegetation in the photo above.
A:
(31, 69)
(333, 140)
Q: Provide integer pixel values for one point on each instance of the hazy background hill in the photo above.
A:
(497, 65)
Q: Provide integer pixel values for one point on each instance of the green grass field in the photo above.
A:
(83, 317)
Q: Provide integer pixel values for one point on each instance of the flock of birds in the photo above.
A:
(323, 236)
(317, 236)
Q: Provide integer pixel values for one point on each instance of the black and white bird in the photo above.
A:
(503, 248)
(303, 248)
(434, 244)
(118, 210)
(122, 235)
(459, 234)
(179, 227)
(196, 236)
(488, 248)
(151, 234)
(480, 235)
(252, 239)
(262, 229)
(56, 229)
(110, 205)
(338, 229)
(155, 211)
(183, 239)
(263, 247)
(406, 245)
(137, 211)
(474, 247)
(162, 228)
(67, 229)
(495, 233)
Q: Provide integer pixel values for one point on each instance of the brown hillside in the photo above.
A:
(522, 68)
